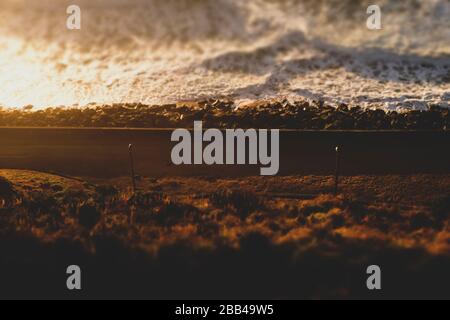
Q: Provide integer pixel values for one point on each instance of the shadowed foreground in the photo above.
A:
(233, 238)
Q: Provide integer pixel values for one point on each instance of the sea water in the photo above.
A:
(164, 51)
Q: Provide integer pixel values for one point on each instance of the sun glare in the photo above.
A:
(28, 79)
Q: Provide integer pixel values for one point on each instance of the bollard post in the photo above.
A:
(337, 172)
(133, 176)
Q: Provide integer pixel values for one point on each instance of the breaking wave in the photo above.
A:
(162, 51)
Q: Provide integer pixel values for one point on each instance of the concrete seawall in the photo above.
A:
(104, 152)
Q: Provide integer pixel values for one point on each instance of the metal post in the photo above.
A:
(133, 176)
(337, 173)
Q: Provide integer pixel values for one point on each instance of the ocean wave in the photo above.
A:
(158, 51)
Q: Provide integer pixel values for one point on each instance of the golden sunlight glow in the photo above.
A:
(25, 79)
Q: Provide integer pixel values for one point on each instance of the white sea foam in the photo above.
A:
(162, 51)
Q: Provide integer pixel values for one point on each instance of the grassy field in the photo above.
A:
(281, 237)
